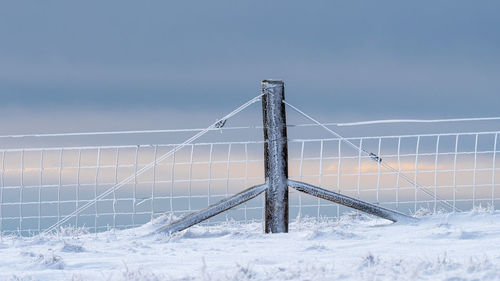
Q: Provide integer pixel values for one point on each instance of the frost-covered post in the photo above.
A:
(275, 156)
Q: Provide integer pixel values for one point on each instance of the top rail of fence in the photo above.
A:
(248, 142)
(224, 128)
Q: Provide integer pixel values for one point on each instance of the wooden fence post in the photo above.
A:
(275, 156)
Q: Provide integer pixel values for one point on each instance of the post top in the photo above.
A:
(272, 81)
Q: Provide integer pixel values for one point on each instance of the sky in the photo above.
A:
(68, 66)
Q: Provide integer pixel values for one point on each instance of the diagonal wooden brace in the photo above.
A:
(213, 210)
(350, 202)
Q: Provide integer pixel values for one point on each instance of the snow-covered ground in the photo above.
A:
(439, 247)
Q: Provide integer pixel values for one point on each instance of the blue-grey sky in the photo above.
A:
(101, 65)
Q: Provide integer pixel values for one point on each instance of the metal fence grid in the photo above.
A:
(39, 187)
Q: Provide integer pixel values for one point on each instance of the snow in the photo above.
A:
(460, 246)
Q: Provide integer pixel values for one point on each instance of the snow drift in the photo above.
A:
(460, 246)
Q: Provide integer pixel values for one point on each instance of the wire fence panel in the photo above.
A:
(457, 170)
(41, 187)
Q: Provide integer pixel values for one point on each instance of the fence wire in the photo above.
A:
(41, 187)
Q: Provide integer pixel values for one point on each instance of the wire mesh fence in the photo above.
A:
(456, 169)
(40, 187)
